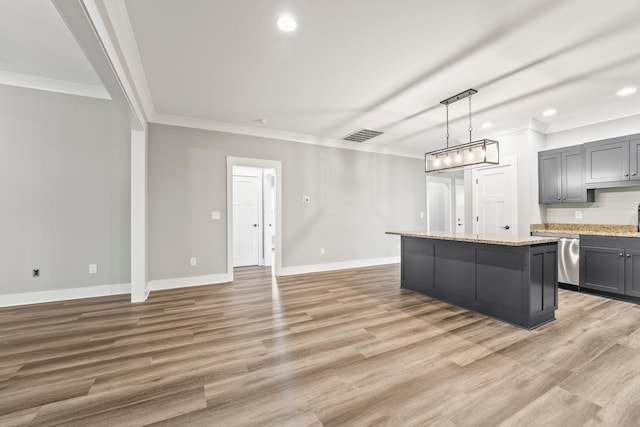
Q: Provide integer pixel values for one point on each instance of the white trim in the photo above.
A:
(39, 297)
(271, 164)
(193, 123)
(51, 85)
(342, 265)
(183, 282)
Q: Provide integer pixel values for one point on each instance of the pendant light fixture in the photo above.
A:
(472, 154)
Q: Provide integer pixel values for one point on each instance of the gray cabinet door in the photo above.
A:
(607, 161)
(418, 253)
(572, 173)
(632, 273)
(602, 269)
(634, 159)
(549, 178)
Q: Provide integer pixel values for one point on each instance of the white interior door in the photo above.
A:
(496, 201)
(246, 220)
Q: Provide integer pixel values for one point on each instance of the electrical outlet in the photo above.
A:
(35, 272)
(193, 261)
(578, 214)
(321, 251)
(421, 214)
(93, 268)
(215, 215)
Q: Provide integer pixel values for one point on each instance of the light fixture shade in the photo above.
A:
(476, 153)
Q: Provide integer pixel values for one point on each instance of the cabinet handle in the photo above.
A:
(634, 174)
(564, 198)
(559, 198)
(619, 254)
(628, 255)
(626, 174)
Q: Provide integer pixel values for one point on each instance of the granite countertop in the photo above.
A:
(614, 230)
(493, 239)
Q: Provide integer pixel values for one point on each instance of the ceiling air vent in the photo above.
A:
(362, 135)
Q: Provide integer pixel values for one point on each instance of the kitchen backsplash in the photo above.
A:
(612, 206)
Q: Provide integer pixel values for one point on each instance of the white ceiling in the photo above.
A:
(378, 64)
(36, 45)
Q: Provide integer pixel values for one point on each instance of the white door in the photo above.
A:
(246, 220)
(496, 201)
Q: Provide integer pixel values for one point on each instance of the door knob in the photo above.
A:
(255, 225)
(506, 227)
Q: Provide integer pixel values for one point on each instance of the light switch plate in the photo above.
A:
(306, 200)
(215, 215)
(193, 261)
(93, 268)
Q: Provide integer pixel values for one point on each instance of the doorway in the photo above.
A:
(254, 213)
(247, 212)
(445, 202)
(495, 208)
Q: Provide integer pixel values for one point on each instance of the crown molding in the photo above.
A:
(194, 123)
(51, 85)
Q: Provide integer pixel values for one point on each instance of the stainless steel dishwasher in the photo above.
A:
(568, 256)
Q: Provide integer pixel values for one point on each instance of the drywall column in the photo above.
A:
(139, 252)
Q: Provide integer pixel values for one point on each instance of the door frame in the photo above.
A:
(512, 162)
(258, 163)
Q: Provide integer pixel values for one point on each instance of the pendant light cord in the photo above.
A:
(470, 128)
(447, 125)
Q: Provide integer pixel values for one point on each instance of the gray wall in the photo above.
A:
(355, 197)
(64, 187)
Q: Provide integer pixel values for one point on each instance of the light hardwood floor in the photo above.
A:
(334, 349)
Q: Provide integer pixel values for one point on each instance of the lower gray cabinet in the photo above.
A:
(610, 264)
(632, 277)
(602, 269)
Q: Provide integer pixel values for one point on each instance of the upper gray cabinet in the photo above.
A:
(613, 160)
(561, 176)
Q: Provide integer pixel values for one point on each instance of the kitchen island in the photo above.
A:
(513, 279)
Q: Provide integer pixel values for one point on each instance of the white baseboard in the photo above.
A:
(39, 297)
(183, 282)
(343, 265)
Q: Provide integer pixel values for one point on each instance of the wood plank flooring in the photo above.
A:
(328, 349)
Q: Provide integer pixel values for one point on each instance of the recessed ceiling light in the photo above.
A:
(627, 91)
(549, 112)
(287, 23)
(487, 125)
